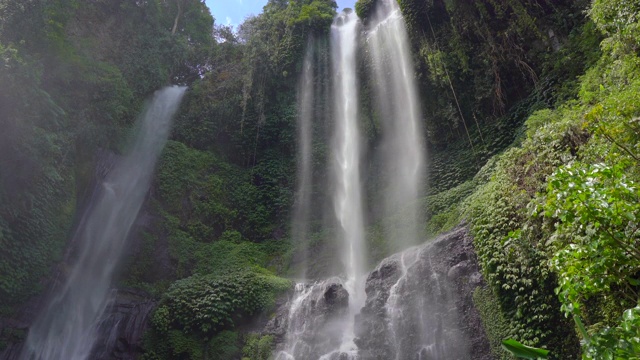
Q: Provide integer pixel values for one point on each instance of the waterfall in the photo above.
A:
(402, 145)
(321, 321)
(403, 164)
(347, 194)
(410, 307)
(302, 205)
(66, 330)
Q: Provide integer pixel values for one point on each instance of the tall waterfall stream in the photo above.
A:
(66, 329)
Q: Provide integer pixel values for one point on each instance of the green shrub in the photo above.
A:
(364, 9)
(257, 347)
(224, 346)
(493, 321)
(205, 305)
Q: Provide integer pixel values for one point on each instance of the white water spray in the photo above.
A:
(66, 330)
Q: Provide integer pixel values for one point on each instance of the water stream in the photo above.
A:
(66, 330)
(403, 149)
(302, 204)
(348, 188)
(321, 314)
(409, 310)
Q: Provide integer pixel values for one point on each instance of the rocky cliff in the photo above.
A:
(419, 306)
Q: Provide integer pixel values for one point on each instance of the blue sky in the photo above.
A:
(233, 12)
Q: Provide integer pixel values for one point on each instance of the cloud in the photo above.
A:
(229, 22)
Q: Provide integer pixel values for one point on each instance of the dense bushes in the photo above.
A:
(36, 181)
(206, 304)
(195, 311)
(559, 215)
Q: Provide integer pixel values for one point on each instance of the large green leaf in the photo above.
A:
(523, 351)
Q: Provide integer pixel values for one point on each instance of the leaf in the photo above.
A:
(523, 351)
(581, 328)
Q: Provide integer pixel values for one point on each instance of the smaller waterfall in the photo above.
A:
(302, 205)
(66, 329)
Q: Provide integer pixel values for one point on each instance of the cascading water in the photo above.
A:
(404, 165)
(66, 330)
(403, 146)
(409, 310)
(347, 195)
(316, 320)
(321, 315)
(302, 206)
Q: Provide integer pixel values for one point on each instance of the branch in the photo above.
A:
(175, 22)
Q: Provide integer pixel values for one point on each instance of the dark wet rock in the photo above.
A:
(275, 326)
(123, 325)
(463, 268)
(420, 304)
(311, 319)
(335, 297)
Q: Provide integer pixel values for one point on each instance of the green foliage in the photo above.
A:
(75, 74)
(317, 14)
(257, 347)
(578, 167)
(364, 9)
(192, 186)
(539, 119)
(507, 243)
(617, 343)
(495, 325)
(11, 335)
(36, 184)
(184, 345)
(196, 315)
(206, 304)
(225, 345)
(595, 208)
(443, 211)
(208, 196)
(478, 59)
(618, 19)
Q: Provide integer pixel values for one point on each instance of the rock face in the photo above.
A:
(122, 326)
(311, 320)
(419, 304)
